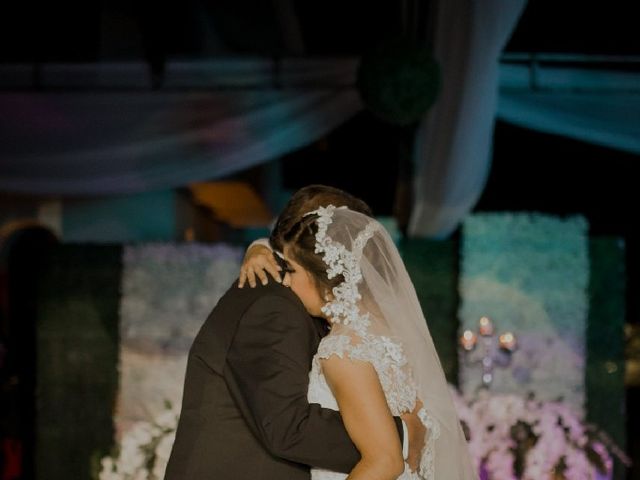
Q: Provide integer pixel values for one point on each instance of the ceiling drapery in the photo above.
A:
(99, 129)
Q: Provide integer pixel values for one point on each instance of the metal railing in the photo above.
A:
(536, 71)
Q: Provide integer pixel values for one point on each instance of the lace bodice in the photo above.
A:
(390, 363)
(386, 357)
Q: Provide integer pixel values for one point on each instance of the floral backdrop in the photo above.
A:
(529, 273)
(167, 293)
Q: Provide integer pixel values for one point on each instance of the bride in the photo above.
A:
(378, 361)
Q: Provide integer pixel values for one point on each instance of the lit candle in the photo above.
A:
(508, 341)
(486, 327)
(468, 340)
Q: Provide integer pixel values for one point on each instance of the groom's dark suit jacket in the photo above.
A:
(245, 413)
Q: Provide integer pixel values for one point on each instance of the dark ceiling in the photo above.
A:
(84, 31)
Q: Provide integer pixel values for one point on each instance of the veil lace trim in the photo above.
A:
(341, 261)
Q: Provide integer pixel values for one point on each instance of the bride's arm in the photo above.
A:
(367, 417)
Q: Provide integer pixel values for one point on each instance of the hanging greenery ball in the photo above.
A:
(399, 81)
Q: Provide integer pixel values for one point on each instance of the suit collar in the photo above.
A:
(321, 326)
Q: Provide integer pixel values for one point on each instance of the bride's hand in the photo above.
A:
(258, 260)
(417, 434)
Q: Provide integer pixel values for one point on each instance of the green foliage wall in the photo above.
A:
(433, 267)
(77, 358)
(605, 348)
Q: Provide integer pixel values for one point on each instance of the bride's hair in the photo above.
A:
(301, 240)
(307, 199)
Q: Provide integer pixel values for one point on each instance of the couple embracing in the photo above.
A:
(329, 372)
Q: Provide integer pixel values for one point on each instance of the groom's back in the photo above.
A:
(213, 440)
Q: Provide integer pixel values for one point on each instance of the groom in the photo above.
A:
(245, 413)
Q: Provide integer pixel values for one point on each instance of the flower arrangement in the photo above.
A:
(144, 449)
(529, 273)
(511, 438)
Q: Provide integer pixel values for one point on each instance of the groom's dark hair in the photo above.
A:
(307, 199)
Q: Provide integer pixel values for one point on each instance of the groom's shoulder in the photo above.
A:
(265, 307)
(248, 306)
(272, 294)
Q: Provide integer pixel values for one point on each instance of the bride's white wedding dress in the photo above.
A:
(376, 317)
(390, 363)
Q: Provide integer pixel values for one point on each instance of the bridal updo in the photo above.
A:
(308, 199)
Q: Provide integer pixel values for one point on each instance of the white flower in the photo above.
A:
(167, 419)
(146, 443)
(163, 450)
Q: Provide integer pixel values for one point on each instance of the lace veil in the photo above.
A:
(377, 304)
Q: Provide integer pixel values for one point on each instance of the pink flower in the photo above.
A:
(549, 434)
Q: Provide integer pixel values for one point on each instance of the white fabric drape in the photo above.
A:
(111, 142)
(87, 137)
(454, 141)
(611, 120)
(596, 106)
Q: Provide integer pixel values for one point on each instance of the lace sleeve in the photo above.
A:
(386, 356)
(345, 346)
